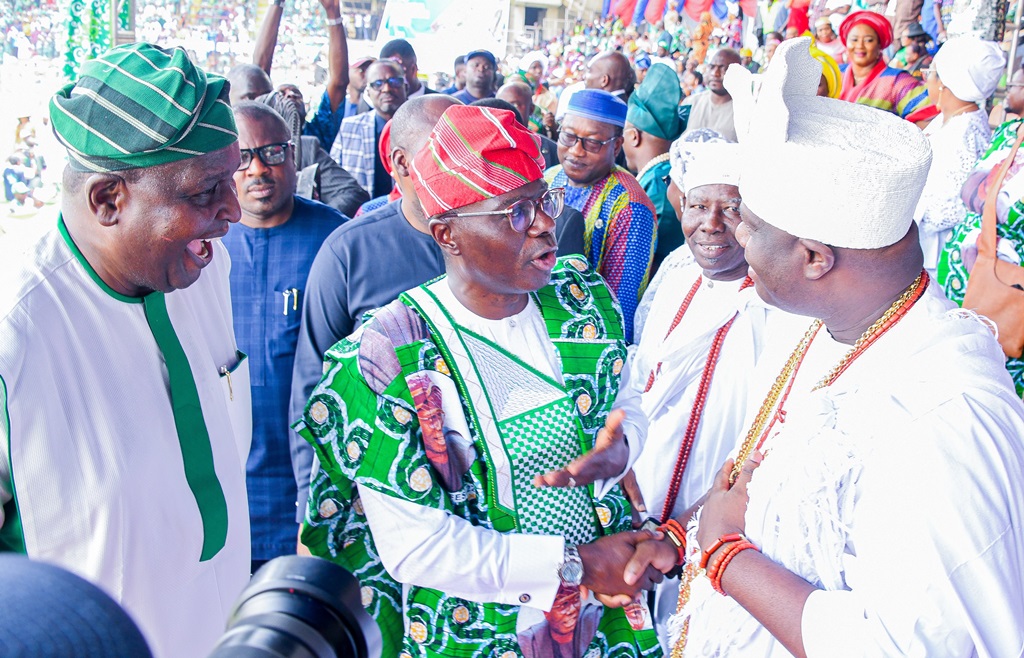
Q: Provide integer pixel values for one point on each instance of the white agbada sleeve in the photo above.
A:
(924, 581)
(435, 549)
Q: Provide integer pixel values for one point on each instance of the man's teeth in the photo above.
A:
(200, 248)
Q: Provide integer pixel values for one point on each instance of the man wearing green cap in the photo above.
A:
(125, 417)
(652, 124)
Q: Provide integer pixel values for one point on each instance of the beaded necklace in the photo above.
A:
(702, 394)
(654, 162)
(779, 392)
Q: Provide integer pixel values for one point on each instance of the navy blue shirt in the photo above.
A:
(269, 267)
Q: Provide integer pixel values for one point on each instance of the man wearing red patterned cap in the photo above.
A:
(465, 438)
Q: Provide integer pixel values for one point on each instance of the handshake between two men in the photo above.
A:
(617, 567)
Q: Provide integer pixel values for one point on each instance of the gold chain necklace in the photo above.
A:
(768, 410)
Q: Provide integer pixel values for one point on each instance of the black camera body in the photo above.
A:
(300, 607)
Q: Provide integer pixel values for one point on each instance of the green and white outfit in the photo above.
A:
(471, 547)
(102, 470)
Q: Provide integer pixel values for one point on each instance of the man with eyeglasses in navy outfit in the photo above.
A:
(620, 234)
(272, 250)
(355, 147)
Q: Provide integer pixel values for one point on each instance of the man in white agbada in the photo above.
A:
(882, 480)
(703, 336)
(124, 404)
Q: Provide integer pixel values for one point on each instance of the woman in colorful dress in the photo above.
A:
(866, 77)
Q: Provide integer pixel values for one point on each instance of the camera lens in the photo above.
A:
(300, 607)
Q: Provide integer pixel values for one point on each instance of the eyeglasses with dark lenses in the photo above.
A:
(568, 140)
(523, 213)
(394, 83)
(270, 155)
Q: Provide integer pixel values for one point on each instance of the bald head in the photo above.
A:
(520, 96)
(413, 121)
(610, 71)
(248, 82)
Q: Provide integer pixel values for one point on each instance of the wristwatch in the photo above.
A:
(570, 572)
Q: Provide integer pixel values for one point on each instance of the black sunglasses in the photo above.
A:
(377, 85)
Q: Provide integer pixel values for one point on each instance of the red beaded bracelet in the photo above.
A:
(715, 575)
(721, 541)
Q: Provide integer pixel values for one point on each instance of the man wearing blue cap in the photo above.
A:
(619, 237)
(125, 415)
(480, 68)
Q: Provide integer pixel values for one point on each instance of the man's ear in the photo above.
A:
(632, 136)
(400, 163)
(818, 258)
(106, 195)
(443, 236)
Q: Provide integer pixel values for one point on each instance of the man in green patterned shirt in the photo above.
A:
(466, 446)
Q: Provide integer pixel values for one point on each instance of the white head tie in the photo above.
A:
(844, 174)
(970, 67)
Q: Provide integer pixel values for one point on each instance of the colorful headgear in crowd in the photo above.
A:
(877, 22)
(139, 105)
(970, 67)
(653, 107)
(642, 60)
(474, 153)
(830, 70)
(785, 126)
(599, 105)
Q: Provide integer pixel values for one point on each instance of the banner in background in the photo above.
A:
(441, 30)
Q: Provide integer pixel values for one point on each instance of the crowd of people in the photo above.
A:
(646, 342)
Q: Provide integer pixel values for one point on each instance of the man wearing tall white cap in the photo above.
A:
(876, 502)
(705, 332)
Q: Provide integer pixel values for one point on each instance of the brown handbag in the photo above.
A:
(995, 288)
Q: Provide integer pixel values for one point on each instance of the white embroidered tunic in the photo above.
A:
(899, 492)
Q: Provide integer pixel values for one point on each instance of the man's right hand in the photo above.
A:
(605, 560)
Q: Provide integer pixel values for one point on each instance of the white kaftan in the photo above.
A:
(90, 461)
(956, 147)
(679, 361)
(899, 492)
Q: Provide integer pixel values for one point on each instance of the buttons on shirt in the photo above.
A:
(524, 598)
(512, 323)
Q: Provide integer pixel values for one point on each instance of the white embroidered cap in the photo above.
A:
(970, 67)
(679, 152)
(844, 174)
(711, 163)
